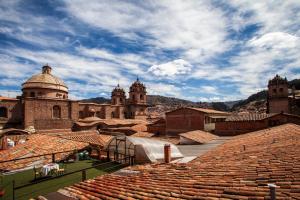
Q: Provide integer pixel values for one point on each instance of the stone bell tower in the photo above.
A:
(118, 96)
(278, 93)
(137, 103)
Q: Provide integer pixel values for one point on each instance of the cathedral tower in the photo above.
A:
(278, 95)
(137, 101)
(118, 96)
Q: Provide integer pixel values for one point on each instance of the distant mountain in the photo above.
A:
(257, 97)
(170, 101)
(100, 100)
(296, 83)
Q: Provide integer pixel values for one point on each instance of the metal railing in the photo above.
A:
(125, 161)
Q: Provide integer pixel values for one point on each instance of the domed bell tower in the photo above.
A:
(137, 93)
(137, 101)
(118, 96)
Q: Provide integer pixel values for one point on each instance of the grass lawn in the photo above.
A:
(46, 187)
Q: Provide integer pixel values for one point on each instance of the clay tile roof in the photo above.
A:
(90, 136)
(143, 134)
(199, 136)
(7, 98)
(37, 144)
(239, 169)
(210, 111)
(249, 117)
(204, 110)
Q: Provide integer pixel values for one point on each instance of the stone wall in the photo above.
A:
(38, 110)
(279, 105)
(183, 120)
(14, 114)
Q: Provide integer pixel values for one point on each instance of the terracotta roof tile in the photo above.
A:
(199, 136)
(238, 169)
(37, 144)
(92, 137)
(249, 117)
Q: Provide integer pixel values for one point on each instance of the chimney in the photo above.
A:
(167, 153)
(272, 188)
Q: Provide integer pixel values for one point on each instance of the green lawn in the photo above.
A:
(46, 187)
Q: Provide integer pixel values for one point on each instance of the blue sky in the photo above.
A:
(196, 50)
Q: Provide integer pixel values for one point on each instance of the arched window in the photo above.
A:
(32, 94)
(56, 112)
(3, 112)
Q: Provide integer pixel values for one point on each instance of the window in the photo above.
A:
(80, 114)
(281, 89)
(3, 112)
(141, 97)
(121, 100)
(274, 90)
(98, 114)
(32, 94)
(133, 97)
(112, 115)
(56, 112)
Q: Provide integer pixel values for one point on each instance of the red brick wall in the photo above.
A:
(238, 127)
(157, 128)
(183, 120)
(14, 114)
(279, 105)
(38, 113)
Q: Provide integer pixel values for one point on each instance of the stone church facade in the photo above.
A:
(44, 104)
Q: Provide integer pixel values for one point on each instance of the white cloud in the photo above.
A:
(196, 27)
(209, 89)
(163, 89)
(171, 69)
(275, 40)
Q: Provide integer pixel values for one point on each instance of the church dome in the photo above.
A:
(137, 86)
(45, 80)
(118, 91)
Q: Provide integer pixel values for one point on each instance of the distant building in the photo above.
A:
(282, 97)
(44, 104)
(188, 119)
(244, 123)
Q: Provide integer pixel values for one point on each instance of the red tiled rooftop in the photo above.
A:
(7, 98)
(37, 144)
(249, 117)
(239, 169)
(199, 136)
